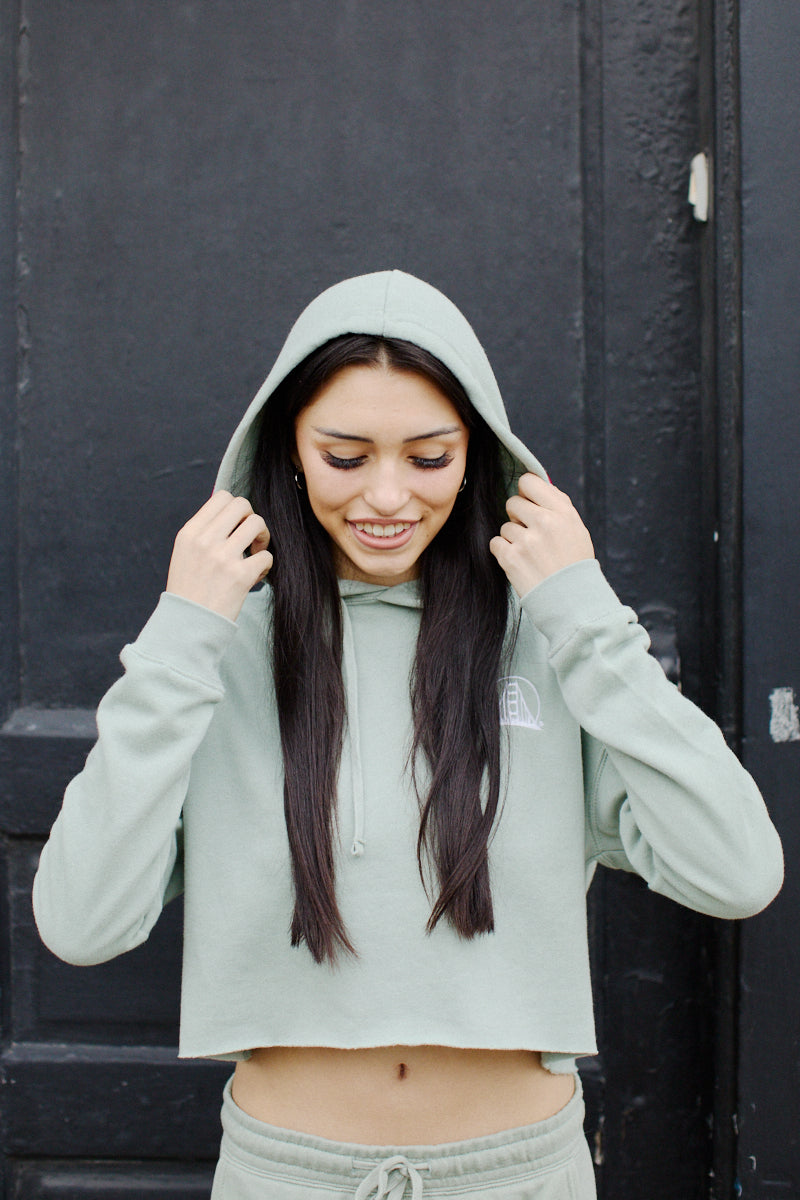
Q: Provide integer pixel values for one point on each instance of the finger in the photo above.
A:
(511, 532)
(216, 502)
(237, 510)
(260, 541)
(504, 552)
(539, 491)
(521, 510)
(259, 566)
(249, 533)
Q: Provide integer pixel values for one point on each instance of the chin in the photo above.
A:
(381, 574)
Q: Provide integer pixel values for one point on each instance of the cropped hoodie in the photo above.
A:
(605, 762)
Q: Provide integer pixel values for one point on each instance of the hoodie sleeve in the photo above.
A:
(113, 856)
(665, 797)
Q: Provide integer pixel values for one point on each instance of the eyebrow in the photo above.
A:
(418, 437)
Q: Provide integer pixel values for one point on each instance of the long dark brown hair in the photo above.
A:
(454, 677)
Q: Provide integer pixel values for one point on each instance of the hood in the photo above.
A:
(384, 304)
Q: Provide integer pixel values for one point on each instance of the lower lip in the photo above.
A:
(383, 543)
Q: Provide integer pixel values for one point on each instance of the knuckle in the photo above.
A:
(185, 536)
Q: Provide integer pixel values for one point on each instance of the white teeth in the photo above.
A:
(382, 530)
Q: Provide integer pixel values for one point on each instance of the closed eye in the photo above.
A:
(432, 464)
(343, 464)
(425, 464)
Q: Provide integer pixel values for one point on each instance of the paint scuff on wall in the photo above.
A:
(784, 722)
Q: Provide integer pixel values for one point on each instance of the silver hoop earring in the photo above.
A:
(298, 477)
(463, 484)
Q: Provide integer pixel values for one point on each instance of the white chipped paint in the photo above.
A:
(784, 722)
(700, 186)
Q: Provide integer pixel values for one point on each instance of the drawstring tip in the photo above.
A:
(358, 848)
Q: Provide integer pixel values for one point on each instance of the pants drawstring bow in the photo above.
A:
(379, 1184)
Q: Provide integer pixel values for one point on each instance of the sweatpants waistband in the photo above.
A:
(542, 1146)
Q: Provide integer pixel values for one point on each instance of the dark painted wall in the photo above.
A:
(185, 177)
(769, 1118)
(188, 183)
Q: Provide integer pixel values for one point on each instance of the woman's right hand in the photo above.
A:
(209, 564)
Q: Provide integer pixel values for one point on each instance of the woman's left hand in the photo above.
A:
(543, 535)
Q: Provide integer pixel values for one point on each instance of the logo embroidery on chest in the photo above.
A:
(519, 703)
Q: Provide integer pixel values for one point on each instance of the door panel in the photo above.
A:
(132, 1000)
(769, 1114)
(184, 180)
(108, 1181)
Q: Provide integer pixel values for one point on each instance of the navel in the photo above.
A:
(402, 1071)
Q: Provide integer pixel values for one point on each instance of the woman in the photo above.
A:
(384, 780)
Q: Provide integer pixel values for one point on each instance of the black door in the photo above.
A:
(178, 180)
(769, 1111)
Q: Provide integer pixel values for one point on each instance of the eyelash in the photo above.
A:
(424, 464)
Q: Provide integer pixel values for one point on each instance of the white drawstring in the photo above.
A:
(350, 678)
(378, 1185)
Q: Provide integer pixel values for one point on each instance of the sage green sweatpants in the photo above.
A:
(549, 1160)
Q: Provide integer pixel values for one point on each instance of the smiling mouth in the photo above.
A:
(383, 535)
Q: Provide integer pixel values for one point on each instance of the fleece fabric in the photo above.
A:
(604, 761)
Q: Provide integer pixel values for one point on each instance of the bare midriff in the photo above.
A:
(398, 1095)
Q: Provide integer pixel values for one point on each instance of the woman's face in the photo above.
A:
(383, 454)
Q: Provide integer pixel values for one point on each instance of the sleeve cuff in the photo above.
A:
(186, 637)
(575, 596)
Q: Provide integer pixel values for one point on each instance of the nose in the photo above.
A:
(385, 491)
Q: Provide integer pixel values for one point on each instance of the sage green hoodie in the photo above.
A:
(605, 762)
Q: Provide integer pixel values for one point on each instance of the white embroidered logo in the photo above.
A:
(519, 703)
